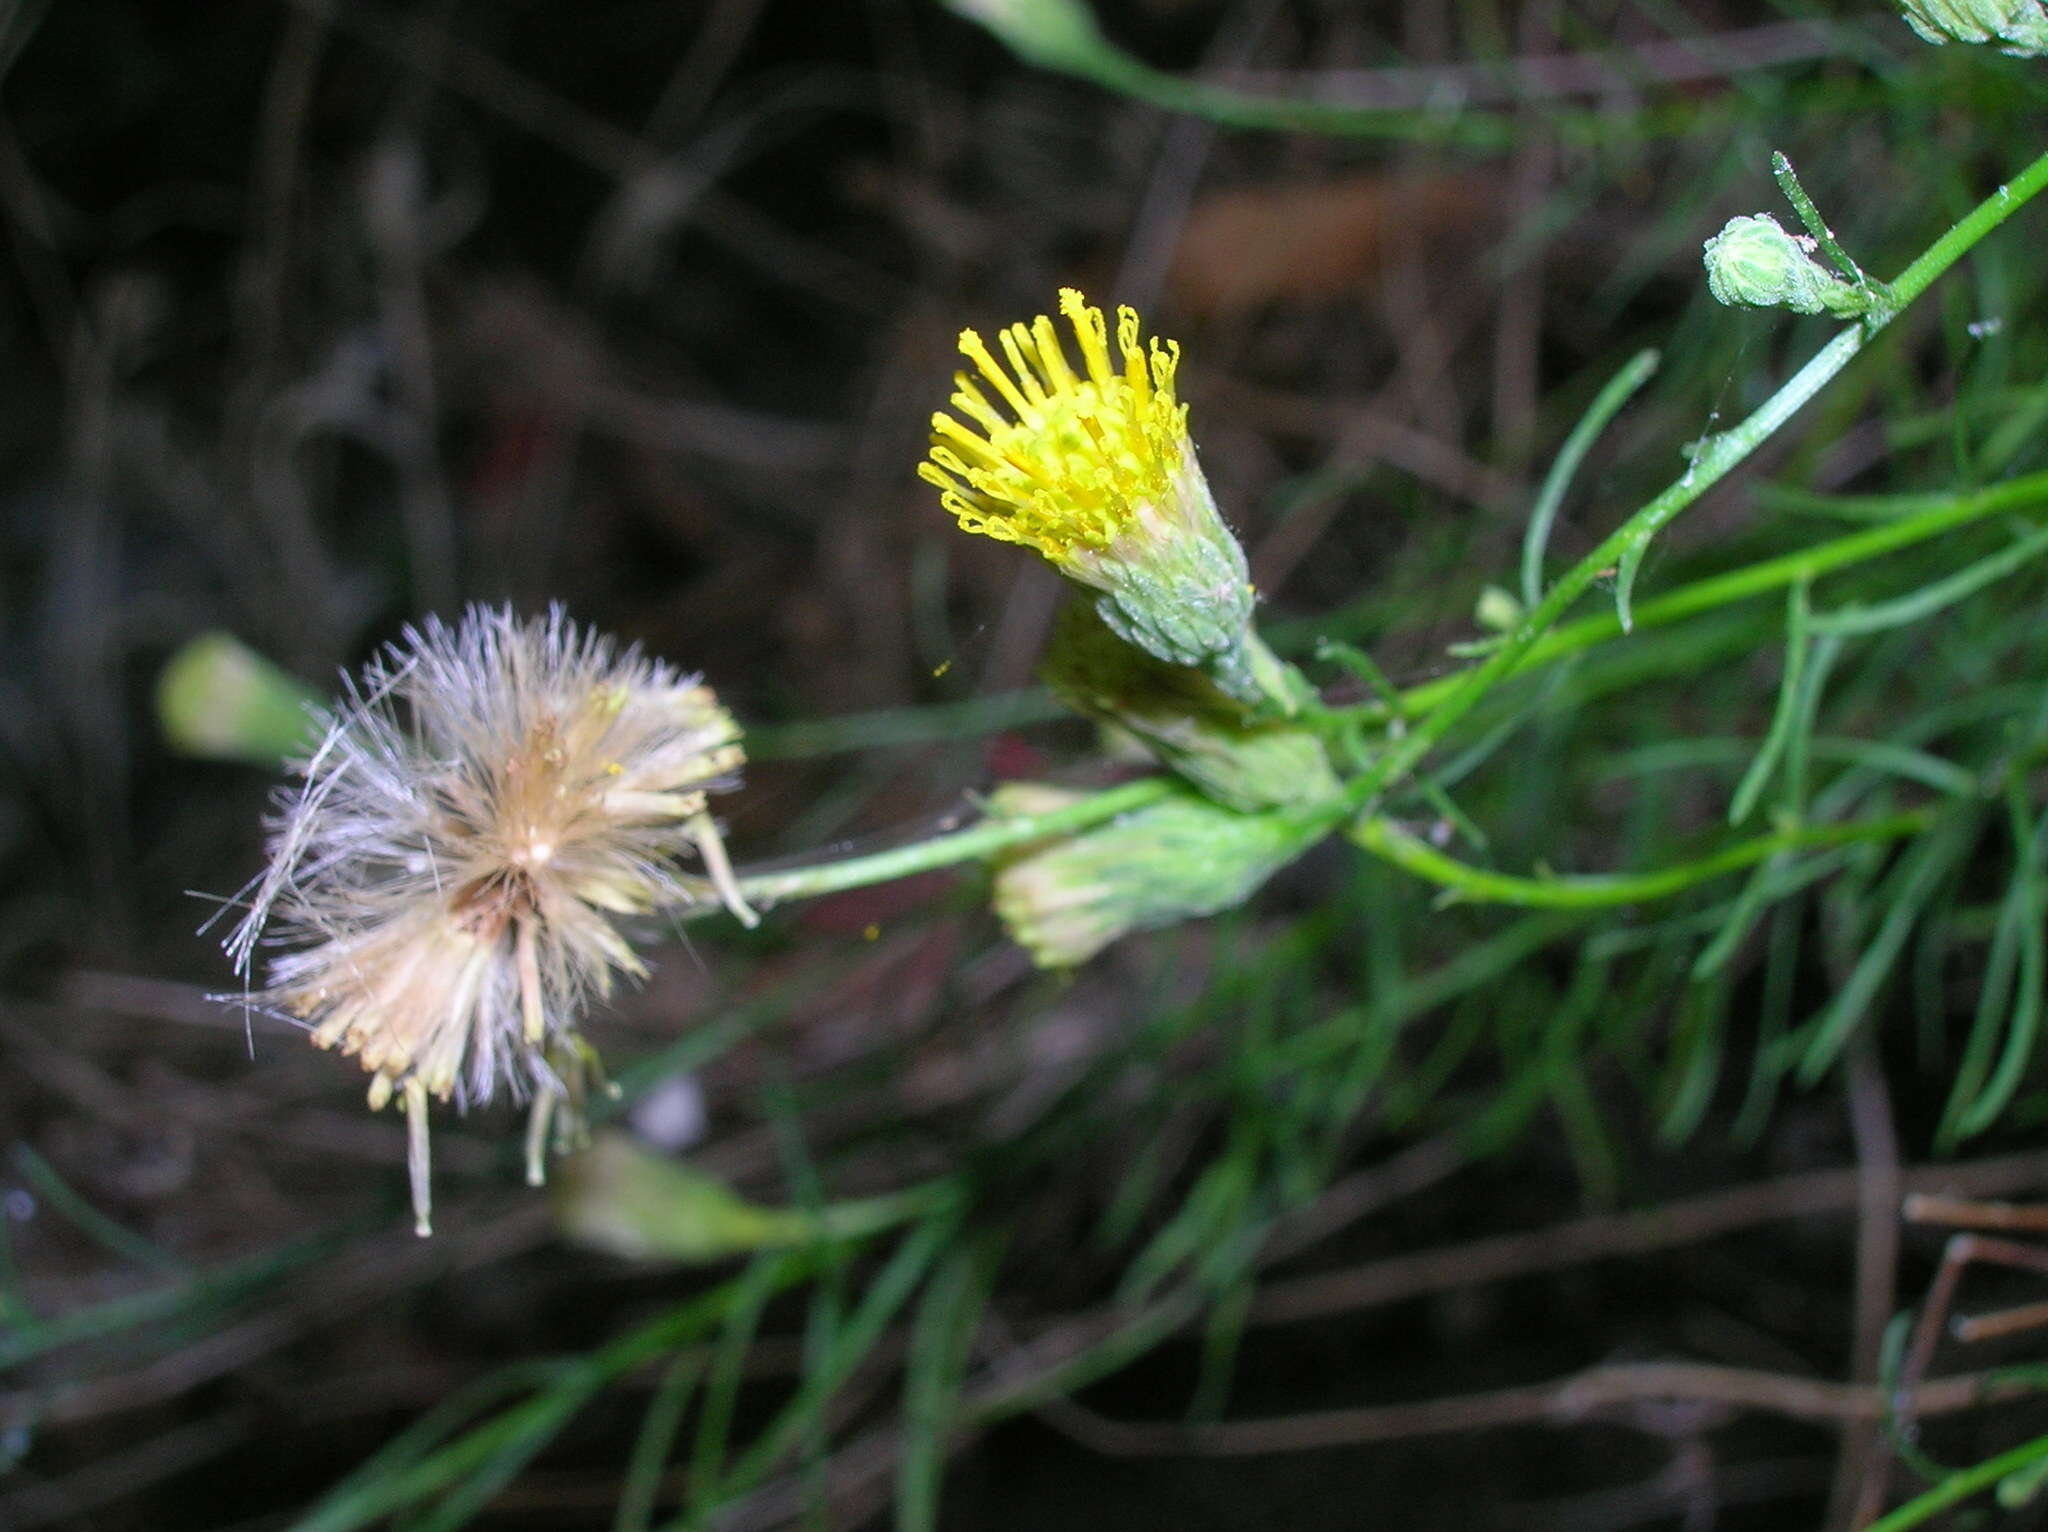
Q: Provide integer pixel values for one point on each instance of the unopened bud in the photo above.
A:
(619, 1197)
(1188, 722)
(1064, 899)
(219, 698)
(1057, 34)
(2018, 27)
(1754, 263)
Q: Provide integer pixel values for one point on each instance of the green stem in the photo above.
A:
(1743, 584)
(1759, 579)
(1624, 547)
(1538, 637)
(939, 721)
(1716, 458)
(1477, 885)
(1957, 242)
(969, 845)
(1961, 1486)
(1063, 35)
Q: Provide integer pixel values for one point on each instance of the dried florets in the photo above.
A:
(448, 877)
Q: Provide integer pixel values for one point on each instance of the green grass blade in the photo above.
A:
(1929, 860)
(1961, 1486)
(1855, 621)
(1785, 719)
(222, 1290)
(1618, 390)
(103, 1231)
(764, 1277)
(2026, 904)
(886, 1294)
(941, 1345)
(654, 1445)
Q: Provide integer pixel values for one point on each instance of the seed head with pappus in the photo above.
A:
(448, 877)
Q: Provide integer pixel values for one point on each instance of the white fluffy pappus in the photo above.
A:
(446, 879)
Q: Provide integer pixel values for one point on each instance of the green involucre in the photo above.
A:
(1754, 263)
(1064, 900)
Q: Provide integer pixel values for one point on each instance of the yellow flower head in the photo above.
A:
(1079, 455)
(1092, 466)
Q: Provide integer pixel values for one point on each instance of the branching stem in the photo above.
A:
(1438, 706)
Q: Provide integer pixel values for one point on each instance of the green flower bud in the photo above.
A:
(218, 698)
(1064, 899)
(1057, 34)
(616, 1196)
(1188, 722)
(2018, 27)
(1497, 610)
(1753, 263)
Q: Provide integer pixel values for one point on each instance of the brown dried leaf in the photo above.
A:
(1253, 245)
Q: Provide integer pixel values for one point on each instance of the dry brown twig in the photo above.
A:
(857, 1475)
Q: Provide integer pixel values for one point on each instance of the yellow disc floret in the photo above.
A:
(1058, 459)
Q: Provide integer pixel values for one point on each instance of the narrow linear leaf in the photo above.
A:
(1626, 568)
(362, 1497)
(1852, 621)
(511, 1437)
(941, 1343)
(2024, 1026)
(526, 1432)
(1742, 914)
(654, 1445)
(1222, 1340)
(760, 1282)
(1994, 1000)
(1697, 1062)
(1960, 1486)
(1606, 404)
(1792, 790)
(389, 1483)
(109, 1234)
(1774, 1017)
(1914, 883)
(1892, 759)
(1797, 612)
(886, 1294)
